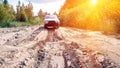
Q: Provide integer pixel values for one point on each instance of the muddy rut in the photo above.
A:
(42, 48)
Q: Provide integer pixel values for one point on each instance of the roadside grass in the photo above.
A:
(18, 24)
(30, 22)
(14, 24)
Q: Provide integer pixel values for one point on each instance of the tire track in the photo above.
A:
(53, 49)
(27, 54)
(71, 59)
(35, 33)
(77, 57)
(44, 58)
(17, 39)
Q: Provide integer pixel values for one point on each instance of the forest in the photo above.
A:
(23, 16)
(98, 15)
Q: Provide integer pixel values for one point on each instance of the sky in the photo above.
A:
(50, 6)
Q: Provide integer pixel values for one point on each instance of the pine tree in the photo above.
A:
(40, 13)
(5, 2)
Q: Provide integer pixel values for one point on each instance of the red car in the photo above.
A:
(51, 22)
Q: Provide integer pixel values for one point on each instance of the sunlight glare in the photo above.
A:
(94, 2)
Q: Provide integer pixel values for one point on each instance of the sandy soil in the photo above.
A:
(36, 47)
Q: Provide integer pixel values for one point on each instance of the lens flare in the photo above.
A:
(94, 2)
(100, 15)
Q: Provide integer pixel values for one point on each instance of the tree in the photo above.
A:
(41, 13)
(5, 2)
(55, 13)
(2, 14)
(20, 16)
(82, 14)
(24, 13)
(29, 11)
(7, 15)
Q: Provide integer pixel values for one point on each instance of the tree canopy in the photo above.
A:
(102, 15)
(5, 2)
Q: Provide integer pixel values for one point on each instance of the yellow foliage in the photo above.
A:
(102, 15)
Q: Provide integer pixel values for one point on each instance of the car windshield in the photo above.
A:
(50, 17)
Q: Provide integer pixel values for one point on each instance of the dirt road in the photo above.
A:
(36, 47)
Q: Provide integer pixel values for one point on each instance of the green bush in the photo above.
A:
(35, 21)
(6, 15)
(8, 18)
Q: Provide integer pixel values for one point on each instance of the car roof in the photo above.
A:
(50, 16)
